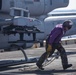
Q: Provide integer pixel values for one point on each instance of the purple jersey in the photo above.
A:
(56, 34)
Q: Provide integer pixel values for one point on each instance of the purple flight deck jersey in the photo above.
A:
(56, 34)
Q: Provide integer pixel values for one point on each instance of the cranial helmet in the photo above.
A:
(67, 24)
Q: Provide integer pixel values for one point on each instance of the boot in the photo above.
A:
(67, 66)
(39, 66)
(41, 60)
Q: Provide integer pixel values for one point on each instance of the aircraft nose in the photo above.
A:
(54, 4)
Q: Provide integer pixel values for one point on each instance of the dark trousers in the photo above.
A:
(61, 50)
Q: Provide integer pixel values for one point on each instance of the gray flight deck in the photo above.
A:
(55, 68)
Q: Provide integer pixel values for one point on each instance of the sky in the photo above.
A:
(72, 5)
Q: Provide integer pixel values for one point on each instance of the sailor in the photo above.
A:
(54, 42)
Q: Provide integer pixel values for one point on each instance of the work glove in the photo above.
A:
(49, 48)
